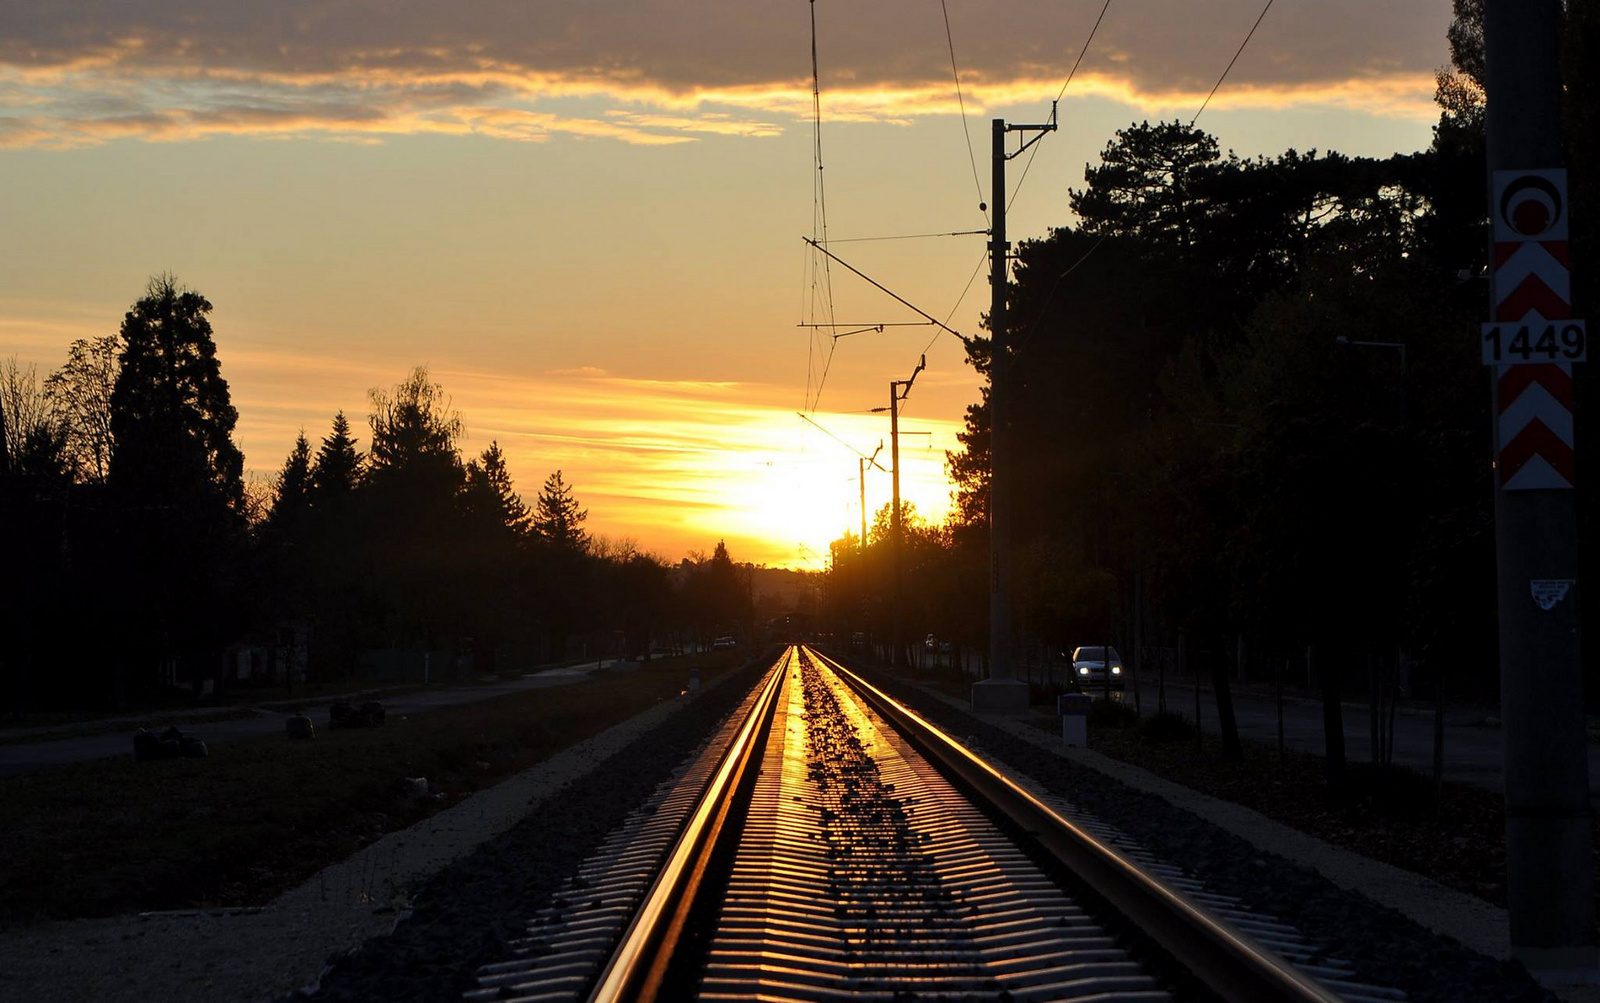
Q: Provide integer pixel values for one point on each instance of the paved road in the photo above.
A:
(1472, 752)
(25, 757)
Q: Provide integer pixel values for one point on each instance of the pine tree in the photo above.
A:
(338, 468)
(415, 431)
(171, 416)
(177, 482)
(294, 485)
(557, 518)
(491, 496)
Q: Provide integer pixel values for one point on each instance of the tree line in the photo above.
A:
(141, 562)
(1249, 412)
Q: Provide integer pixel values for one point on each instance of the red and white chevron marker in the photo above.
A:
(1533, 338)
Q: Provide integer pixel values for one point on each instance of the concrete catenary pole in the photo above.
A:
(898, 658)
(1002, 691)
(1549, 826)
(862, 463)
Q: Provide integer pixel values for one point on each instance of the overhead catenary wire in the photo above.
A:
(1050, 294)
(1229, 68)
(868, 327)
(910, 236)
(1026, 164)
(959, 300)
(883, 288)
(966, 133)
(873, 459)
(822, 273)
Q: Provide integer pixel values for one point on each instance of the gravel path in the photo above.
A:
(1385, 946)
(266, 953)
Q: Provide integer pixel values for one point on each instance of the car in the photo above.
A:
(723, 642)
(1089, 667)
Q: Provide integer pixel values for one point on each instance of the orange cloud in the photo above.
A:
(80, 72)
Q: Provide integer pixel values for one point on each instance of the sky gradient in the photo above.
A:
(585, 217)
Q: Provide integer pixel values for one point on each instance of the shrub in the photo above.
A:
(1167, 726)
(1395, 792)
(1112, 714)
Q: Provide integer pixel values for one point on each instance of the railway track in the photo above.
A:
(829, 844)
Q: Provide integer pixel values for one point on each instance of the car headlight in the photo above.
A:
(1116, 670)
(1082, 671)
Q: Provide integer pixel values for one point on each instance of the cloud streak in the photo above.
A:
(78, 72)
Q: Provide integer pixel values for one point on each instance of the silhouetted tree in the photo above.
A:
(81, 392)
(490, 497)
(338, 468)
(176, 478)
(35, 436)
(171, 416)
(557, 517)
(414, 433)
(293, 496)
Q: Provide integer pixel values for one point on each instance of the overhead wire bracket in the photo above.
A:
(886, 290)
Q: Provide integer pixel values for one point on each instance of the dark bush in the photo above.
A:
(1112, 714)
(1166, 726)
(1392, 792)
(343, 715)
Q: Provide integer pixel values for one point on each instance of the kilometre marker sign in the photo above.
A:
(1533, 338)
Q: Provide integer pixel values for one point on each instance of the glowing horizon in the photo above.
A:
(588, 226)
(675, 465)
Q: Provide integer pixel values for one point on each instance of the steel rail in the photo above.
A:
(639, 964)
(1227, 961)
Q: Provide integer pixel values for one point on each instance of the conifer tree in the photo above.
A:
(490, 494)
(294, 485)
(177, 480)
(557, 517)
(338, 468)
(171, 416)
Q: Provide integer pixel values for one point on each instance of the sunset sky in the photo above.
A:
(585, 216)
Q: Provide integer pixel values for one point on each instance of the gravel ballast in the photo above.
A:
(1383, 945)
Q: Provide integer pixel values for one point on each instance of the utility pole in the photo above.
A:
(862, 464)
(898, 391)
(1002, 691)
(864, 461)
(1549, 824)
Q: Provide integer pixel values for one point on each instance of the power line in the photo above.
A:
(1059, 94)
(819, 227)
(959, 300)
(1050, 295)
(833, 346)
(910, 236)
(1249, 35)
(966, 133)
(881, 287)
(870, 459)
(873, 326)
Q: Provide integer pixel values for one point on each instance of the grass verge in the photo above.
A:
(261, 815)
